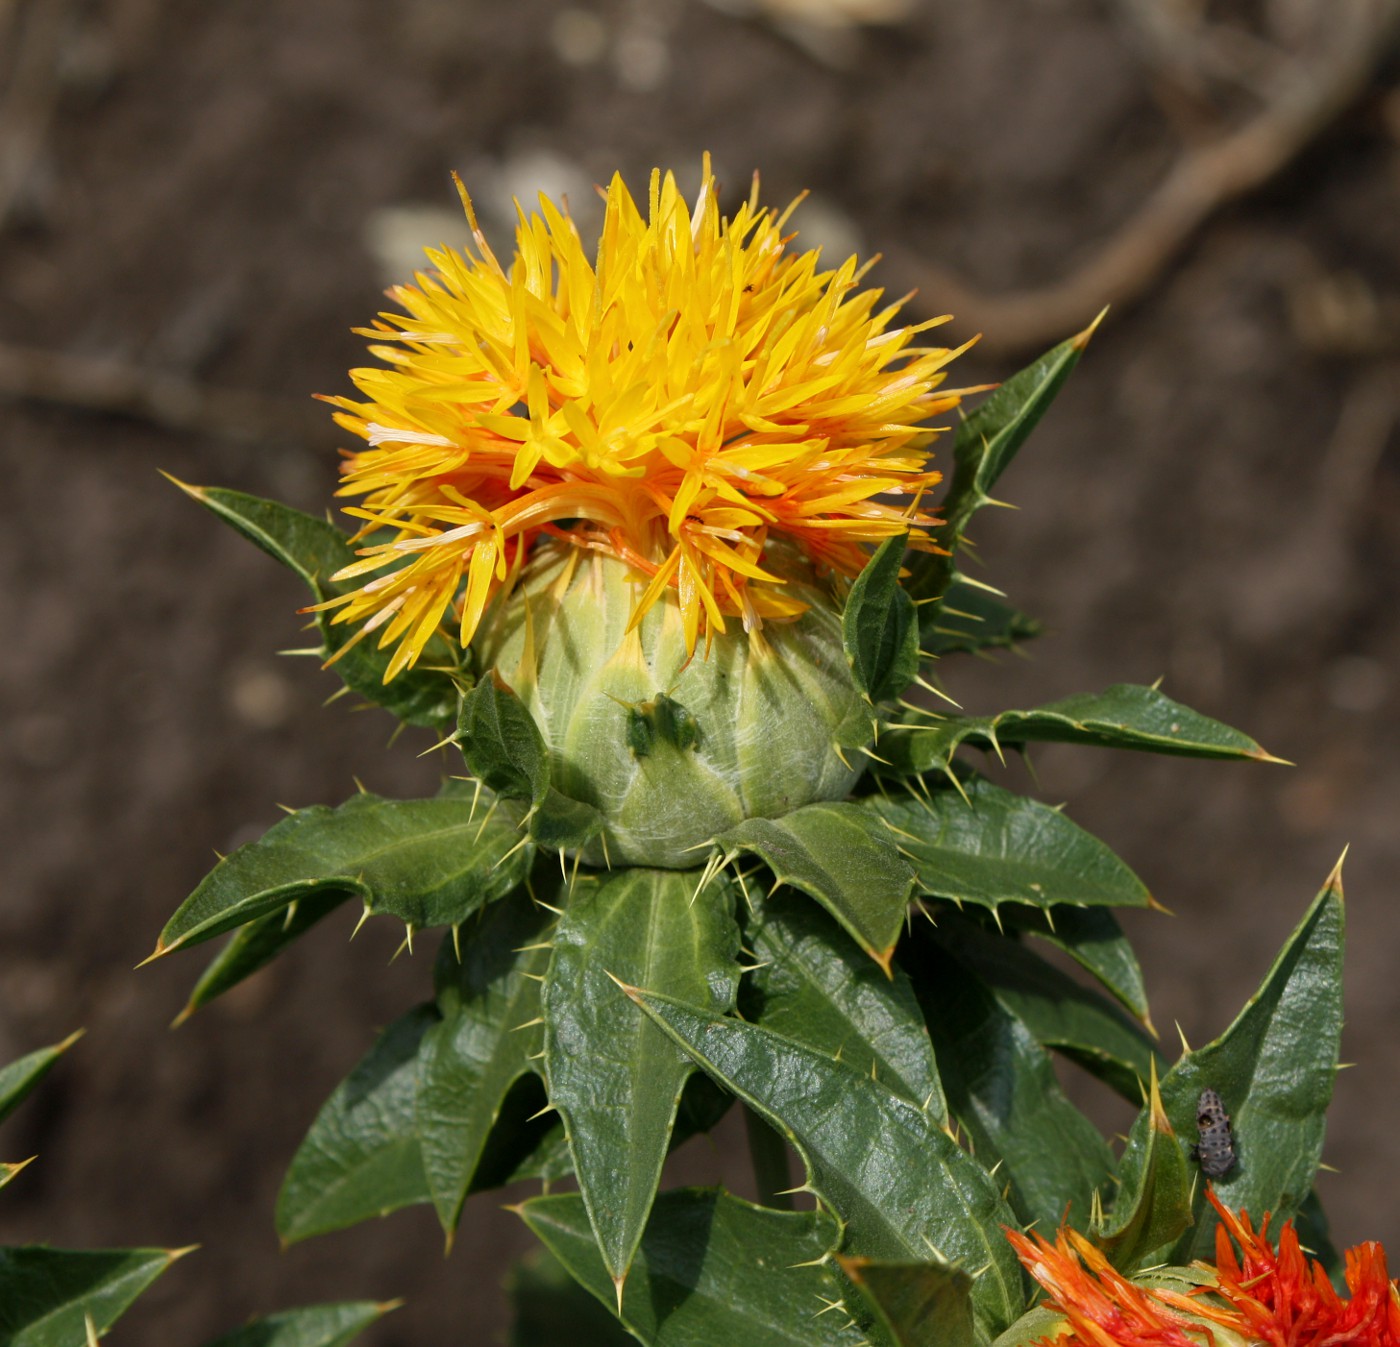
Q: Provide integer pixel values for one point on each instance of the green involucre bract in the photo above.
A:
(674, 750)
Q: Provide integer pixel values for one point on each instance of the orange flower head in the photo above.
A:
(1282, 1298)
(692, 392)
(1274, 1297)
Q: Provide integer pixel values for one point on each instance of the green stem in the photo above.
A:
(768, 1154)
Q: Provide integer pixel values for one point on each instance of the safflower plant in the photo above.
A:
(650, 539)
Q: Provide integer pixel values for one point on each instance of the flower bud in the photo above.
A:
(674, 749)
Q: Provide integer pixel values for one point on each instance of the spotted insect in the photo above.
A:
(1215, 1149)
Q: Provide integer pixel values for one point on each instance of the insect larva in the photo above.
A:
(1215, 1149)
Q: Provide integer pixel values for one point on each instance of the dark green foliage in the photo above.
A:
(362, 1156)
(984, 845)
(560, 823)
(1092, 937)
(711, 1269)
(970, 619)
(816, 987)
(899, 1182)
(1273, 1069)
(1123, 716)
(310, 1326)
(843, 856)
(1061, 1014)
(48, 1295)
(441, 1105)
(615, 1078)
(551, 1308)
(427, 862)
(485, 1041)
(917, 1304)
(1153, 1205)
(19, 1078)
(1001, 1087)
(879, 628)
(501, 742)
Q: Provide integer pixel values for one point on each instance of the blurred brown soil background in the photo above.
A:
(200, 197)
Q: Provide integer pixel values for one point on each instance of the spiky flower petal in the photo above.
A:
(1102, 1307)
(693, 392)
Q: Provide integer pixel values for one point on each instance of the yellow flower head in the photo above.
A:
(693, 392)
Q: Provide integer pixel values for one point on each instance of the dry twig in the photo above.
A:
(1204, 180)
(166, 400)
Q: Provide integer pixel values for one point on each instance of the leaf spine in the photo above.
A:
(485, 821)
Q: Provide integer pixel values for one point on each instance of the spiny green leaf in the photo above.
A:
(712, 1269)
(843, 856)
(901, 1184)
(20, 1077)
(47, 1295)
(315, 550)
(8, 1171)
(987, 440)
(501, 742)
(564, 824)
(1123, 716)
(1032, 1328)
(483, 1044)
(528, 1143)
(615, 1079)
(428, 862)
(925, 1304)
(969, 619)
(1092, 937)
(364, 1156)
(1075, 1021)
(310, 1326)
(879, 627)
(1001, 1086)
(994, 431)
(814, 986)
(255, 945)
(550, 1307)
(1273, 1069)
(361, 1157)
(991, 846)
(1153, 1205)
